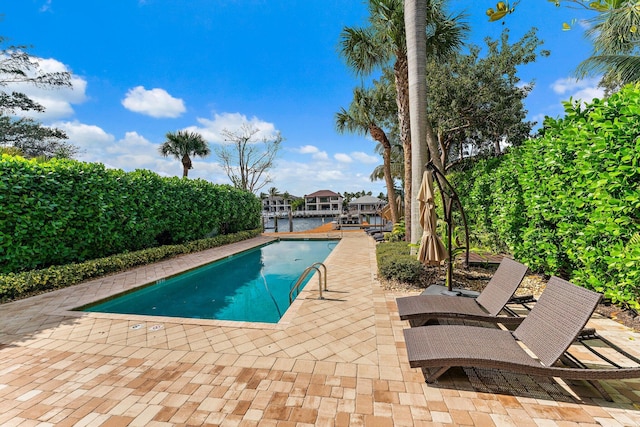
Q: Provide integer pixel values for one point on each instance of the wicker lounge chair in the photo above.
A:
(551, 327)
(421, 309)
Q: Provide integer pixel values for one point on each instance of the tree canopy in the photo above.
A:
(27, 135)
(476, 103)
(182, 145)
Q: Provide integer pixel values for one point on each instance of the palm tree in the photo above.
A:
(273, 192)
(429, 33)
(615, 36)
(368, 108)
(397, 161)
(182, 145)
(383, 42)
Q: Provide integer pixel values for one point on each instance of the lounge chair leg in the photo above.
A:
(569, 359)
(431, 378)
(596, 384)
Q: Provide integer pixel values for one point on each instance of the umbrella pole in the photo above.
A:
(449, 195)
(449, 279)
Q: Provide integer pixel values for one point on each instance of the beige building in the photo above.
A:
(277, 204)
(366, 205)
(323, 202)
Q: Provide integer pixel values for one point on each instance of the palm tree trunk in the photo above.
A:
(186, 165)
(379, 135)
(415, 18)
(434, 153)
(402, 99)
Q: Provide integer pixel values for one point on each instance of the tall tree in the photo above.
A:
(182, 145)
(27, 135)
(383, 42)
(429, 34)
(248, 159)
(369, 110)
(477, 101)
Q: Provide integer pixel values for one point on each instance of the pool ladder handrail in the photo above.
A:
(305, 273)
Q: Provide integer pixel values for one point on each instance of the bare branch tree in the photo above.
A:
(248, 159)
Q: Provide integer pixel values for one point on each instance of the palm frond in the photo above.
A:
(626, 68)
(361, 50)
(612, 31)
(445, 34)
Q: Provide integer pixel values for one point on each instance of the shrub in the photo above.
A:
(64, 211)
(583, 182)
(396, 263)
(567, 203)
(18, 285)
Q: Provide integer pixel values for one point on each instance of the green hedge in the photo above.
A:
(395, 262)
(66, 211)
(568, 202)
(18, 285)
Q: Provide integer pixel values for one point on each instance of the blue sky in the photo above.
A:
(142, 68)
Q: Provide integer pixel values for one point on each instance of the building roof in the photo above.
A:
(367, 200)
(280, 197)
(323, 193)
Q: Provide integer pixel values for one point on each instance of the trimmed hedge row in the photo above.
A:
(568, 202)
(66, 211)
(18, 285)
(395, 262)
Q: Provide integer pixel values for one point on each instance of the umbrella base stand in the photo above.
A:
(452, 293)
(456, 292)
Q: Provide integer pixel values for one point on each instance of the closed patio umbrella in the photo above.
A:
(432, 250)
(385, 213)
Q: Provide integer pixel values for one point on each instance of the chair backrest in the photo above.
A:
(556, 319)
(502, 286)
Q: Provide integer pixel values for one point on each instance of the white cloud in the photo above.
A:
(212, 129)
(321, 156)
(584, 90)
(156, 103)
(57, 101)
(314, 151)
(589, 93)
(91, 139)
(300, 178)
(341, 157)
(133, 151)
(365, 158)
(308, 149)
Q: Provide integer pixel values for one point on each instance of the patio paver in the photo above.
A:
(339, 361)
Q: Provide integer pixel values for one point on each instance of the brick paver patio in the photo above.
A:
(339, 361)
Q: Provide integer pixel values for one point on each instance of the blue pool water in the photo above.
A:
(251, 286)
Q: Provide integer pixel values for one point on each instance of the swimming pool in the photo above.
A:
(251, 286)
